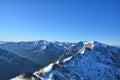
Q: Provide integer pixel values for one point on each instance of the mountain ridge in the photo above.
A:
(82, 61)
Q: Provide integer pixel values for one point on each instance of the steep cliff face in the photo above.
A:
(82, 61)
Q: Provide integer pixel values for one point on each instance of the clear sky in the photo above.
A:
(60, 20)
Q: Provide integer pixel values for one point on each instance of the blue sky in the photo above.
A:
(60, 20)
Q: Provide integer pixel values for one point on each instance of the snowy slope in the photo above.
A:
(11, 65)
(82, 61)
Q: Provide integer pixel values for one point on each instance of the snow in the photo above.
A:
(36, 74)
(57, 62)
(73, 45)
(49, 78)
(82, 51)
(88, 65)
(67, 59)
(21, 78)
(47, 68)
(18, 78)
(44, 47)
(93, 64)
(87, 44)
(60, 44)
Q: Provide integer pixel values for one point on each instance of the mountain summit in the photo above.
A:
(81, 61)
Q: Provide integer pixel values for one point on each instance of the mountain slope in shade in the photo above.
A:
(81, 61)
(41, 52)
(11, 65)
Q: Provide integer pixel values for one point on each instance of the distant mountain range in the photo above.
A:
(85, 60)
(41, 52)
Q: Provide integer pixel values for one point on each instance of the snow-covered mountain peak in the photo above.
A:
(92, 65)
(85, 60)
(86, 44)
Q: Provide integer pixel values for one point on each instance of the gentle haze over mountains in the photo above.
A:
(60, 20)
